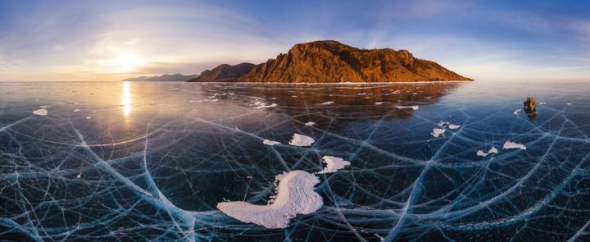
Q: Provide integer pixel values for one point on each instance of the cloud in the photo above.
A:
(59, 47)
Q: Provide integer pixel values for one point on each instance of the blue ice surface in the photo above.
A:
(155, 159)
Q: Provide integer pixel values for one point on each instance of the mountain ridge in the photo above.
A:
(163, 78)
(224, 73)
(330, 61)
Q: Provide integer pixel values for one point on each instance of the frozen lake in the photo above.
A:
(151, 161)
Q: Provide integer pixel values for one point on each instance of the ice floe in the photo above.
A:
(41, 112)
(492, 150)
(511, 145)
(295, 195)
(415, 107)
(333, 164)
(436, 132)
(270, 142)
(301, 140)
(310, 123)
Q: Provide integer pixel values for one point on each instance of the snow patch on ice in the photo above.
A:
(76, 110)
(310, 123)
(333, 164)
(436, 132)
(41, 112)
(270, 142)
(511, 145)
(301, 140)
(517, 111)
(295, 195)
(378, 103)
(326, 103)
(454, 126)
(492, 150)
(408, 107)
(266, 106)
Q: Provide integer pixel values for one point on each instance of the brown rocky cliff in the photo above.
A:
(331, 61)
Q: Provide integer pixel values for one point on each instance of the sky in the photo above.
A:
(108, 40)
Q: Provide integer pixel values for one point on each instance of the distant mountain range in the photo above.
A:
(224, 73)
(163, 78)
(330, 61)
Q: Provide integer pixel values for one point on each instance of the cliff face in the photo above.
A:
(331, 61)
(224, 73)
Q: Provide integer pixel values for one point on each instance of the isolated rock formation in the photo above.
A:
(530, 105)
(224, 73)
(330, 61)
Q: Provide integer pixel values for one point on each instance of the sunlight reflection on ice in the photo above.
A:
(126, 98)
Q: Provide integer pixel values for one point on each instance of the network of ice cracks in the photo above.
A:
(65, 178)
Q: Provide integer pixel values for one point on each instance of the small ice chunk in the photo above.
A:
(436, 132)
(295, 195)
(88, 117)
(396, 92)
(542, 103)
(333, 164)
(517, 111)
(378, 103)
(79, 176)
(454, 126)
(265, 106)
(270, 142)
(408, 107)
(442, 123)
(327, 103)
(40, 112)
(301, 140)
(76, 110)
(511, 145)
(492, 150)
(310, 123)
(569, 104)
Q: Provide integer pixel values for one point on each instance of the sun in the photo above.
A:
(125, 63)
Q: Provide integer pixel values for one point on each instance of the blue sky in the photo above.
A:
(113, 40)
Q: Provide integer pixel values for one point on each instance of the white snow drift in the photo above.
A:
(301, 140)
(333, 164)
(295, 195)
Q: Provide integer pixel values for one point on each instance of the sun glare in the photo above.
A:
(125, 63)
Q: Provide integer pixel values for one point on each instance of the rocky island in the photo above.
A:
(330, 61)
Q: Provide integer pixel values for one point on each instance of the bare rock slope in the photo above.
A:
(331, 61)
